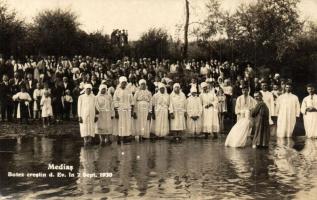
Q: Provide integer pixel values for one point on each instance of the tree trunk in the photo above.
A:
(185, 50)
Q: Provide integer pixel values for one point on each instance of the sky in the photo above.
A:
(136, 16)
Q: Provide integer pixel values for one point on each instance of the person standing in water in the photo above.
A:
(261, 114)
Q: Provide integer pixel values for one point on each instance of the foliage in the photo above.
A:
(11, 30)
(56, 31)
(153, 43)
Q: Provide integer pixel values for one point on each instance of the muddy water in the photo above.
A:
(193, 169)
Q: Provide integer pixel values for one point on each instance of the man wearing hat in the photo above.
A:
(160, 104)
(177, 109)
(124, 108)
(288, 109)
(87, 114)
(143, 109)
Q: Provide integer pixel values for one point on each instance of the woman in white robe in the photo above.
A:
(143, 109)
(309, 111)
(194, 110)
(124, 108)
(210, 120)
(106, 113)
(239, 133)
(87, 114)
(177, 110)
(244, 102)
(288, 108)
(160, 103)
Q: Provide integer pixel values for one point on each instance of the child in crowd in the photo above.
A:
(67, 103)
(47, 111)
(37, 95)
(222, 108)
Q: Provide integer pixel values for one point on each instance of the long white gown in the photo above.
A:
(87, 111)
(194, 108)
(310, 118)
(178, 108)
(288, 108)
(105, 108)
(161, 104)
(210, 120)
(143, 105)
(123, 101)
(238, 135)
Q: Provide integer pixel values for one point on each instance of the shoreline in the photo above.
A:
(11, 130)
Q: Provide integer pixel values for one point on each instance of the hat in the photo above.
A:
(142, 81)
(123, 79)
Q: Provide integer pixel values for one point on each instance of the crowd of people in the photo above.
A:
(145, 97)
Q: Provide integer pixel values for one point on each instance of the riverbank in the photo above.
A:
(71, 128)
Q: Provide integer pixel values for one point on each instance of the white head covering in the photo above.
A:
(176, 85)
(160, 85)
(101, 87)
(123, 79)
(142, 81)
(203, 84)
(88, 86)
(193, 89)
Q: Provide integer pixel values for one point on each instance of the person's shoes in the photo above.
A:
(254, 146)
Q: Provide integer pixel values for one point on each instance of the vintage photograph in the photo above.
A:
(158, 99)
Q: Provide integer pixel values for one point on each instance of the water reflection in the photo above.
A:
(151, 170)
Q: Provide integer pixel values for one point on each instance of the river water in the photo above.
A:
(193, 169)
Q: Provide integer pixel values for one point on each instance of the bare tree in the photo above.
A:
(185, 50)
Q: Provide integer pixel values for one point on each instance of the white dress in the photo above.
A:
(87, 111)
(194, 108)
(210, 120)
(288, 109)
(310, 118)
(46, 104)
(143, 105)
(105, 109)
(238, 134)
(178, 108)
(123, 101)
(37, 94)
(161, 104)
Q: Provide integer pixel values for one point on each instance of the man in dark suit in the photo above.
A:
(30, 85)
(16, 82)
(6, 99)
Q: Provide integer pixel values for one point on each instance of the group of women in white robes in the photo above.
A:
(160, 114)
